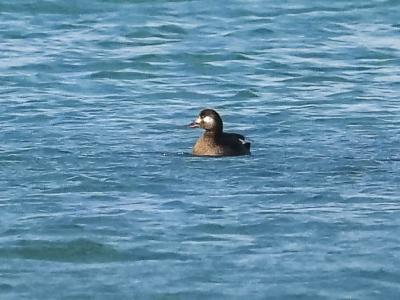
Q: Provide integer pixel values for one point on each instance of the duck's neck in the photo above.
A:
(212, 134)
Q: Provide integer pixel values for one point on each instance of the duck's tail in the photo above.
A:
(247, 146)
(245, 143)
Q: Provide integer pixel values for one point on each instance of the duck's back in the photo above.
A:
(235, 144)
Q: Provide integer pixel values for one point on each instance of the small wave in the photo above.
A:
(124, 75)
(82, 250)
(79, 250)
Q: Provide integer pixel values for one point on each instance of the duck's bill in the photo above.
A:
(194, 125)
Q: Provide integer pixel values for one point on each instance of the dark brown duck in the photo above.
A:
(214, 141)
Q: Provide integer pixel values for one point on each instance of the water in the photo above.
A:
(101, 199)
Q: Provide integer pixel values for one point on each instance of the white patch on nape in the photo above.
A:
(208, 119)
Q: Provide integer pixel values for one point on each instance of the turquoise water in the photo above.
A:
(101, 199)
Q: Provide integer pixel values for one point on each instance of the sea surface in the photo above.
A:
(100, 197)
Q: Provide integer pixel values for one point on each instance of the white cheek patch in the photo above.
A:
(242, 141)
(208, 119)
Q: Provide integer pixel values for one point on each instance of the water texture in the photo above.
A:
(101, 199)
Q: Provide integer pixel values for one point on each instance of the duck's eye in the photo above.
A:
(207, 119)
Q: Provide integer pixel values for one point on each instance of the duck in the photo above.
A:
(214, 141)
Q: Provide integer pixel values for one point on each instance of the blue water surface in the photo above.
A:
(101, 199)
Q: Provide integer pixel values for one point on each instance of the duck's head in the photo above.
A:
(209, 120)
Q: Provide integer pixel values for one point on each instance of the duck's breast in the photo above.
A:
(206, 147)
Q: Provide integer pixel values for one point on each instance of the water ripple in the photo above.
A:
(98, 184)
